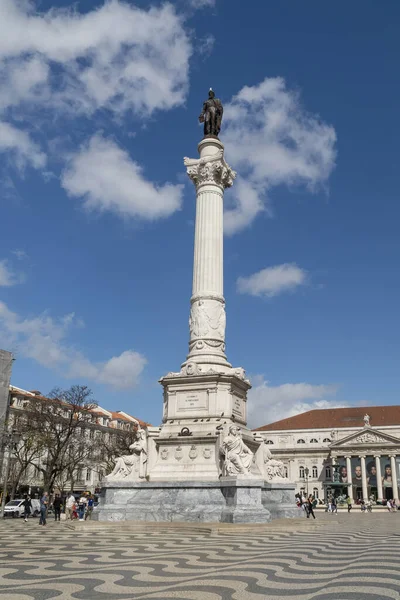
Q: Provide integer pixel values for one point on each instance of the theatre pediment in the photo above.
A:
(366, 436)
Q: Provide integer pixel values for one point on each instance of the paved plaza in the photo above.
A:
(335, 557)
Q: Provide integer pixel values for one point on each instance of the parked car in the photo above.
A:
(15, 508)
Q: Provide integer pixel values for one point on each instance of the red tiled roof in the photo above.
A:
(333, 418)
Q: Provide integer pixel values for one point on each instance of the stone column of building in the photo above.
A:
(211, 175)
(394, 477)
(349, 478)
(378, 476)
(364, 479)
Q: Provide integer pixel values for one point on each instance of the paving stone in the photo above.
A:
(335, 557)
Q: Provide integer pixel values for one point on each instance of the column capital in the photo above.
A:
(347, 455)
(377, 455)
(210, 170)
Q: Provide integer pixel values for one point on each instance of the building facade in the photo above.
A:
(99, 432)
(346, 451)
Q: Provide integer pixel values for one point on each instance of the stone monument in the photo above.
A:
(203, 463)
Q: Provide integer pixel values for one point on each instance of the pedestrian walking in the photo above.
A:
(57, 503)
(69, 506)
(44, 502)
(82, 507)
(310, 507)
(89, 509)
(334, 505)
(349, 505)
(27, 504)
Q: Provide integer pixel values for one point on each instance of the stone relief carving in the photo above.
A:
(133, 466)
(164, 453)
(179, 453)
(207, 318)
(207, 452)
(210, 169)
(368, 437)
(193, 453)
(237, 456)
(274, 470)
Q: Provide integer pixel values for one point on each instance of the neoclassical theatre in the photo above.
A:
(364, 443)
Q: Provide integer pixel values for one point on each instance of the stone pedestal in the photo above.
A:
(230, 500)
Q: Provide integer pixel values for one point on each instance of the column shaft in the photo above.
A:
(208, 243)
(364, 479)
(394, 477)
(211, 175)
(379, 477)
(349, 478)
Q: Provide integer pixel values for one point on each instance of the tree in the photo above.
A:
(58, 426)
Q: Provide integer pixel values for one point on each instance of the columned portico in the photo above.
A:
(368, 462)
(379, 476)
(364, 479)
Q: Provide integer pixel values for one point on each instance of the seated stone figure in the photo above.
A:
(237, 456)
(274, 470)
(132, 466)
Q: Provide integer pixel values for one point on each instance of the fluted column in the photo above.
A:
(379, 476)
(394, 477)
(349, 478)
(364, 479)
(211, 175)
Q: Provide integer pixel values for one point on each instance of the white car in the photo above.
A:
(15, 508)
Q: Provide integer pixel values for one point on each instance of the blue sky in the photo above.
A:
(99, 106)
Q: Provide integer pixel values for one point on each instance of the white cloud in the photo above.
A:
(271, 140)
(116, 56)
(8, 276)
(202, 3)
(19, 253)
(272, 280)
(267, 404)
(43, 339)
(105, 176)
(21, 147)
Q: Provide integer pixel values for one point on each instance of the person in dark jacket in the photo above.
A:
(310, 507)
(27, 504)
(57, 503)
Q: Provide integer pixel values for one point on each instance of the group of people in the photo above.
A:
(307, 504)
(81, 509)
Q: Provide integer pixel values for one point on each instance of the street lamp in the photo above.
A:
(306, 472)
(10, 439)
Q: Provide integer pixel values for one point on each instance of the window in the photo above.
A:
(328, 472)
(88, 474)
(315, 493)
(315, 471)
(286, 472)
(313, 441)
(269, 442)
(303, 491)
(300, 441)
(326, 441)
(301, 473)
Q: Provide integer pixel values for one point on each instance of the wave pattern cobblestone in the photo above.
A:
(341, 557)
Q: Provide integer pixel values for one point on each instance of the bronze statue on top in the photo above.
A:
(211, 115)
